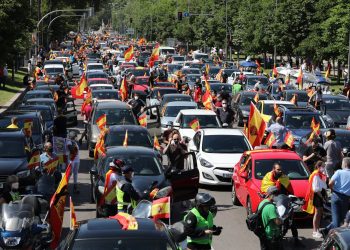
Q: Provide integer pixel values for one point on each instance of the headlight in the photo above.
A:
(205, 163)
(12, 241)
(23, 174)
(245, 113)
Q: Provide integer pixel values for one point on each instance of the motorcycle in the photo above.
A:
(21, 226)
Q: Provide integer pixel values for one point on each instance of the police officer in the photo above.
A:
(110, 190)
(126, 194)
(199, 223)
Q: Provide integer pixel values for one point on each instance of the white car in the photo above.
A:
(217, 152)
(100, 86)
(206, 118)
(95, 67)
(234, 75)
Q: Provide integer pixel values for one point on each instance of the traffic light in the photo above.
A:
(130, 19)
(179, 15)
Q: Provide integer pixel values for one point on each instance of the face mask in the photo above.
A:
(278, 175)
(15, 186)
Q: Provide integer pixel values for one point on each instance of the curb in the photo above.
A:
(13, 101)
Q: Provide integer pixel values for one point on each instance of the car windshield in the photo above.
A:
(96, 75)
(226, 88)
(229, 144)
(95, 67)
(92, 87)
(205, 121)
(268, 108)
(302, 121)
(343, 139)
(105, 95)
(54, 70)
(122, 243)
(251, 81)
(190, 71)
(337, 104)
(247, 99)
(172, 111)
(173, 67)
(143, 165)
(302, 96)
(37, 95)
(135, 138)
(116, 116)
(184, 98)
(12, 148)
(98, 82)
(160, 92)
(294, 169)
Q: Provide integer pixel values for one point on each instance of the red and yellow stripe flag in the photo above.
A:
(143, 120)
(289, 139)
(127, 221)
(57, 204)
(270, 140)
(194, 124)
(34, 160)
(207, 100)
(125, 142)
(101, 121)
(315, 126)
(309, 197)
(300, 78)
(276, 110)
(51, 165)
(73, 216)
(154, 56)
(256, 97)
(123, 91)
(161, 208)
(207, 85)
(156, 144)
(81, 86)
(129, 53)
(256, 126)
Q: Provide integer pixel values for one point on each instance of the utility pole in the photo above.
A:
(348, 61)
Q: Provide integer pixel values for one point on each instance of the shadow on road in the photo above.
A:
(216, 188)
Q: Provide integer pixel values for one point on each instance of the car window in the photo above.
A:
(205, 121)
(229, 144)
(12, 148)
(247, 99)
(113, 95)
(197, 139)
(177, 99)
(269, 108)
(337, 104)
(172, 111)
(139, 138)
(302, 96)
(116, 116)
(222, 87)
(294, 169)
(301, 121)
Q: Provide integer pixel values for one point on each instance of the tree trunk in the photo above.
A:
(339, 72)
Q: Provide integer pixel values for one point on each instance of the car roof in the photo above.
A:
(197, 112)
(175, 95)
(296, 90)
(100, 85)
(93, 63)
(103, 90)
(276, 101)
(54, 65)
(6, 133)
(182, 103)
(107, 228)
(273, 154)
(255, 76)
(251, 92)
(128, 127)
(221, 131)
(111, 104)
(129, 150)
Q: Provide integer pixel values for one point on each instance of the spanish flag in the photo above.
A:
(207, 100)
(274, 71)
(194, 124)
(328, 72)
(300, 78)
(256, 97)
(125, 142)
(34, 160)
(129, 53)
(123, 91)
(101, 121)
(73, 216)
(161, 208)
(100, 145)
(156, 144)
(315, 126)
(207, 85)
(46, 78)
(289, 139)
(154, 56)
(143, 120)
(276, 110)
(309, 197)
(294, 99)
(51, 165)
(82, 85)
(256, 126)
(27, 126)
(270, 140)
(269, 181)
(57, 204)
(127, 221)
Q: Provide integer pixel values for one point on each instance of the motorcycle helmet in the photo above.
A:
(204, 199)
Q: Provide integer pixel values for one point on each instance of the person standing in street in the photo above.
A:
(74, 158)
(225, 114)
(136, 104)
(340, 186)
(60, 125)
(6, 74)
(272, 239)
(87, 115)
(237, 87)
(334, 153)
(176, 150)
(279, 131)
(314, 153)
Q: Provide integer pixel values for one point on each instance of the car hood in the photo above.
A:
(339, 116)
(10, 166)
(165, 119)
(142, 183)
(218, 159)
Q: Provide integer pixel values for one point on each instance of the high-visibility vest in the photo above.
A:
(202, 224)
(120, 196)
(15, 196)
(110, 193)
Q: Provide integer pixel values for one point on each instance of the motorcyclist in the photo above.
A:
(10, 192)
(199, 223)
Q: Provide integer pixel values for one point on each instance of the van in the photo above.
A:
(53, 70)
(163, 51)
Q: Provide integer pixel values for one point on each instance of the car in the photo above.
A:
(266, 108)
(140, 71)
(170, 111)
(38, 129)
(206, 118)
(178, 59)
(117, 112)
(147, 170)
(137, 136)
(336, 108)
(105, 94)
(52, 70)
(241, 105)
(191, 79)
(213, 71)
(155, 96)
(236, 74)
(43, 101)
(217, 150)
(37, 94)
(46, 112)
(96, 74)
(186, 71)
(174, 98)
(13, 157)
(302, 97)
(254, 165)
(94, 67)
(159, 84)
(250, 81)
(221, 87)
(71, 113)
(192, 64)
(89, 234)
(92, 81)
(101, 86)
(337, 239)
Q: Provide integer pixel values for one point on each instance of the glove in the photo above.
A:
(217, 230)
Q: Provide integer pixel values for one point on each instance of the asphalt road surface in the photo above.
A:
(235, 234)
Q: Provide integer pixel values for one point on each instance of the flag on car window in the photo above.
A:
(73, 216)
(125, 142)
(101, 121)
(161, 208)
(129, 53)
(34, 160)
(143, 120)
(289, 139)
(194, 124)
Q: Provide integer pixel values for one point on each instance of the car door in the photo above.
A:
(151, 123)
(240, 181)
(71, 113)
(185, 182)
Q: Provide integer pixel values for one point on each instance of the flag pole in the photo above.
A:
(70, 212)
(169, 210)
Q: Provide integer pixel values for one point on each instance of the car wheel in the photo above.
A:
(235, 200)
(249, 206)
(93, 195)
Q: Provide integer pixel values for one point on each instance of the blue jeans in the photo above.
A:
(339, 208)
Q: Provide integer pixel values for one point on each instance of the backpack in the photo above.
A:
(254, 222)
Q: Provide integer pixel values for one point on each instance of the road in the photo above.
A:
(235, 234)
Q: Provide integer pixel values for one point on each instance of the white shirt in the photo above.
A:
(318, 184)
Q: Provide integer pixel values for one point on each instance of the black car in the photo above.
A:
(241, 105)
(43, 101)
(107, 234)
(338, 238)
(105, 94)
(336, 107)
(13, 157)
(250, 81)
(37, 94)
(38, 129)
(137, 136)
(147, 169)
(302, 97)
(46, 112)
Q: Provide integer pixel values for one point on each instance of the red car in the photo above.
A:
(252, 167)
(141, 83)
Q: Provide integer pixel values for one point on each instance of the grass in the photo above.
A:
(12, 87)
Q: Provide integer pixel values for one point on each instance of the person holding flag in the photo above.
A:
(317, 98)
(199, 223)
(279, 131)
(175, 150)
(47, 155)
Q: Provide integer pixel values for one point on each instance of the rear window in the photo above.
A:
(12, 148)
(54, 70)
(105, 95)
(116, 116)
(294, 169)
(205, 121)
(139, 138)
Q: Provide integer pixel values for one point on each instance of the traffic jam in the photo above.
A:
(161, 126)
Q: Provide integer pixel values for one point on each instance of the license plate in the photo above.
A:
(227, 175)
(1, 185)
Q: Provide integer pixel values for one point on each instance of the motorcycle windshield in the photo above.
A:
(16, 216)
(143, 209)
